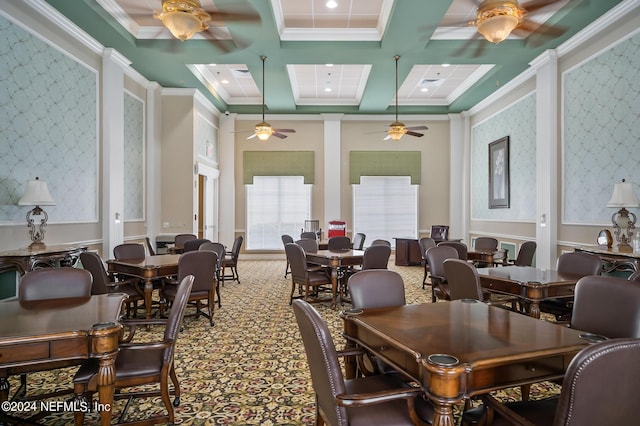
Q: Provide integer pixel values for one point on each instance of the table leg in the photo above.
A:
(534, 309)
(334, 285)
(443, 414)
(148, 293)
(106, 388)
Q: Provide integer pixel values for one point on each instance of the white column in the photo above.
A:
(332, 162)
(113, 65)
(227, 194)
(459, 163)
(153, 178)
(547, 93)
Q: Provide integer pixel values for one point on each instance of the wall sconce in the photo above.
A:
(623, 220)
(37, 194)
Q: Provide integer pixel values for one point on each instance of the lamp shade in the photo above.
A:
(36, 194)
(496, 28)
(623, 196)
(181, 24)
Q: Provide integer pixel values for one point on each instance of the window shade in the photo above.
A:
(384, 163)
(278, 163)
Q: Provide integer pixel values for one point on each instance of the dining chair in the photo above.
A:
(358, 241)
(435, 258)
(309, 245)
(376, 288)
(47, 284)
(129, 251)
(219, 250)
(464, 283)
(578, 263)
(150, 249)
(311, 282)
(596, 376)
(380, 242)
(635, 276)
(142, 363)
(180, 239)
(286, 239)
(202, 266)
(525, 254)
(230, 261)
(459, 246)
(339, 242)
(192, 245)
(425, 243)
(485, 243)
(308, 235)
(376, 257)
(104, 282)
(376, 399)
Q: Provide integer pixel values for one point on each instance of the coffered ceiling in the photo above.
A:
(329, 60)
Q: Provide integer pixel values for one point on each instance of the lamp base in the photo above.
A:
(624, 247)
(37, 245)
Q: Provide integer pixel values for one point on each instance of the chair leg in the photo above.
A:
(176, 386)
(164, 395)
(286, 270)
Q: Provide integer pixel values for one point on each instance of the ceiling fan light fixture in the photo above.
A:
(396, 130)
(496, 20)
(263, 130)
(184, 18)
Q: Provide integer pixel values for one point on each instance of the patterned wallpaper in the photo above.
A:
(133, 158)
(206, 139)
(519, 123)
(601, 108)
(48, 116)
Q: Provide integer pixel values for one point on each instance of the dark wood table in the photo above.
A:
(408, 252)
(148, 269)
(456, 350)
(24, 260)
(336, 259)
(531, 285)
(40, 332)
(614, 260)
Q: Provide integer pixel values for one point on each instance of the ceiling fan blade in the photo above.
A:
(410, 133)
(534, 5)
(542, 29)
(252, 136)
(278, 135)
(285, 130)
(220, 16)
(371, 133)
(418, 128)
(386, 138)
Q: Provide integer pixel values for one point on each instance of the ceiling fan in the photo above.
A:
(397, 129)
(185, 18)
(497, 19)
(263, 130)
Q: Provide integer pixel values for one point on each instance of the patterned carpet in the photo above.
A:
(250, 368)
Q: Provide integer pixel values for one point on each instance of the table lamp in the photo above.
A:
(623, 220)
(37, 194)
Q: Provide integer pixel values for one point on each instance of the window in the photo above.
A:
(385, 207)
(276, 205)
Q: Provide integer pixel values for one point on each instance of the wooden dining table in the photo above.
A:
(336, 260)
(456, 350)
(531, 285)
(40, 332)
(149, 269)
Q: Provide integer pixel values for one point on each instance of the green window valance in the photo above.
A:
(278, 163)
(384, 163)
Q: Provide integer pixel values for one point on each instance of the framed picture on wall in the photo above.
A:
(499, 174)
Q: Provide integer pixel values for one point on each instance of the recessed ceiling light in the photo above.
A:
(331, 4)
(327, 89)
(445, 65)
(424, 89)
(328, 65)
(225, 81)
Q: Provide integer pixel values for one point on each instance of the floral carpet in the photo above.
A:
(250, 367)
